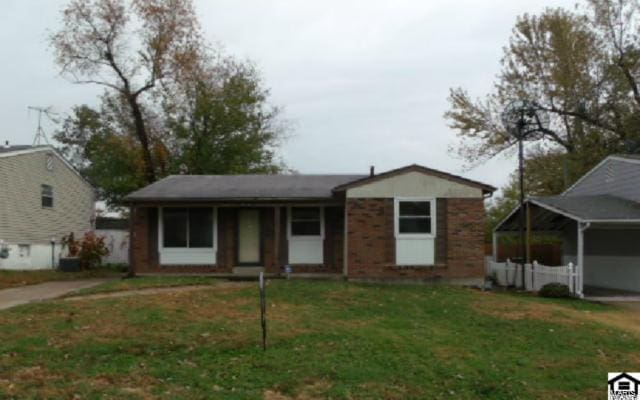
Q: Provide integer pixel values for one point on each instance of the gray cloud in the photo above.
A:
(363, 82)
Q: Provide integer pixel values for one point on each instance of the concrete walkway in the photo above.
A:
(43, 291)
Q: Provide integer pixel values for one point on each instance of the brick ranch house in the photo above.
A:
(411, 223)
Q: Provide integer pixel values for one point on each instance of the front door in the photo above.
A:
(249, 237)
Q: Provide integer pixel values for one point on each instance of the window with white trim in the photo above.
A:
(187, 227)
(306, 235)
(414, 217)
(306, 221)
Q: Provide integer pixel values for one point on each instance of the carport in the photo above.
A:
(600, 234)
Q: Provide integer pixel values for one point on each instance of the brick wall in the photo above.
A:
(144, 243)
(371, 242)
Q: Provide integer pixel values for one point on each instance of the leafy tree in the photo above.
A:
(175, 106)
(134, 49)
(582, 67)
(227, 126)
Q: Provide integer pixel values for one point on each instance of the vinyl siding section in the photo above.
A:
(23, 220)
(414, 184)
(614, 177)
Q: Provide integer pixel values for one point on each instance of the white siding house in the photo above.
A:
(598, 219)
(42, 199)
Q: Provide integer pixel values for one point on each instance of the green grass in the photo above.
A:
(21, 278)
(145, 282)
(326, 340)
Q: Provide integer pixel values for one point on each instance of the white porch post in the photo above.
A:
(580, 256)
(495, 246)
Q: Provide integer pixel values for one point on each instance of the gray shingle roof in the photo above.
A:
(240, 187)
(590, 208)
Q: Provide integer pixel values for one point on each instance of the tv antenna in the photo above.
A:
(40, 134)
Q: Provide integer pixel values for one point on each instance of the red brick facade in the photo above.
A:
(459, 245)
(144, 242)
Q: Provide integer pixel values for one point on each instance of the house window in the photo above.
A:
(187, 227)
(47, 196)
(414, 217)
(415, 231)
(306, 221)
(306, 232)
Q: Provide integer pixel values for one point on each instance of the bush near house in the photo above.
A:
(556, 290)
(90, 249)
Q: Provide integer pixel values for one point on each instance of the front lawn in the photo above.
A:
(146, 282)
(326, 340)
(21, 278)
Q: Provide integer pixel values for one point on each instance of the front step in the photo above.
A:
(247, 271)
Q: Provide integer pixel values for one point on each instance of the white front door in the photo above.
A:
(249, 237)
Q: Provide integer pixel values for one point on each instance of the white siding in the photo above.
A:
(414, 184)
(39, 257)
(23, 220)
(612, 257)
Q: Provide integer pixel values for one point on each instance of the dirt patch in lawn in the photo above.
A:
(158, 290)
(501, 307)
(309, 391)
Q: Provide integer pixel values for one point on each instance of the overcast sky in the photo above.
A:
(362, 82)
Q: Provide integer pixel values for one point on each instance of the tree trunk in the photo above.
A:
(141, 132)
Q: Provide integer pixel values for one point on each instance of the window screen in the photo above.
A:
(305, 221)
(414, 217)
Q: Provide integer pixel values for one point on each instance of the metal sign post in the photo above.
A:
(263, 311)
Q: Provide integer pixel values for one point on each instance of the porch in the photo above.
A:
(238, 239)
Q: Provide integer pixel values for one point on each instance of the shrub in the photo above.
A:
(71, 244)
(92, 249)
(558, 290)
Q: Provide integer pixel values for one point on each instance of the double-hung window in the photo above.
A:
(306, 235)
(414, 217)
(46, 194)
(415, 231)
(187, 235)
(306, 221)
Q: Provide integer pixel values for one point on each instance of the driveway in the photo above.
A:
(44, 291)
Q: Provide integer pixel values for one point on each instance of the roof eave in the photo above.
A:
(486, 189)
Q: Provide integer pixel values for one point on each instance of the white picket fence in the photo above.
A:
(536, 275)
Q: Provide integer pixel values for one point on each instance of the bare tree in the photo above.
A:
(136, 48)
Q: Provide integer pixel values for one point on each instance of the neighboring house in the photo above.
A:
(42, 198)
(598, 219)
(115, 232)
(411, 223)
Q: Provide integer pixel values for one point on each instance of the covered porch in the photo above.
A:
(238, 238)
(600, 235)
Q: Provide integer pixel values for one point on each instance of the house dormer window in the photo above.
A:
(47, 196)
